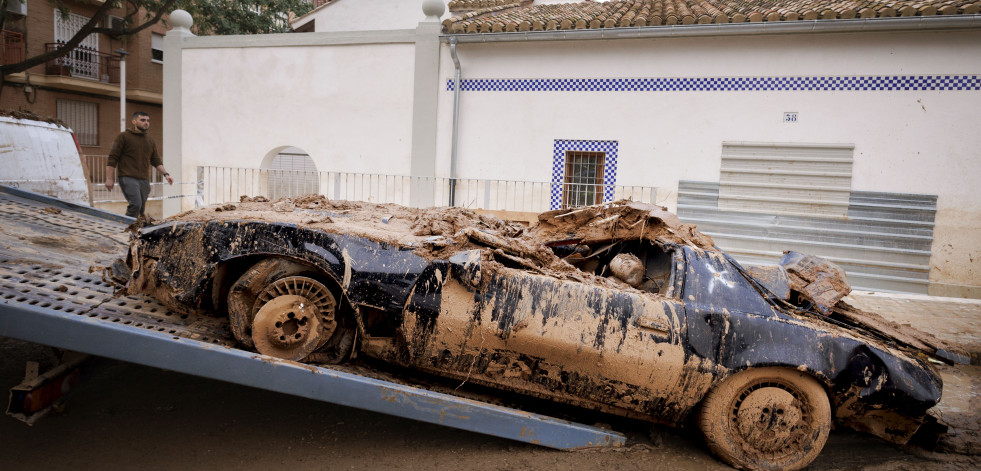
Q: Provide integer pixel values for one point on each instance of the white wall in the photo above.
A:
(895, 132)
(349, 107)
(905, 141)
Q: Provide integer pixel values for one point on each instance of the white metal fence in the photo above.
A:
(225, 184)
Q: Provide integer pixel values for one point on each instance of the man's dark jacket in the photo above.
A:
(133, 154)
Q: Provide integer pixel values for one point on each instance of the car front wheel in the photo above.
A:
(767, 419)
(281, 309)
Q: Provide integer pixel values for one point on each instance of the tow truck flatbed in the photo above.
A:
(52, 293)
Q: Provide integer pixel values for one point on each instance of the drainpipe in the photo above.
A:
(456, 119)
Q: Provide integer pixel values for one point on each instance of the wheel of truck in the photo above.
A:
(766, 419)
(281, 310)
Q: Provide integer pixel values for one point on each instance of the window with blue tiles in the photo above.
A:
(583, 179)
(583, 172)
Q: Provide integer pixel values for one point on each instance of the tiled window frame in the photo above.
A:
(559, 149)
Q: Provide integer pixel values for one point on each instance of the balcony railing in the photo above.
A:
(224, 185)
(82, 62)
(11, 47)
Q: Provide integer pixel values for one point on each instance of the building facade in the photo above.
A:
(826, 130)
(82, 88)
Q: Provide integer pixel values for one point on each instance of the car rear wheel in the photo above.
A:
(767, 418)
(279, 308)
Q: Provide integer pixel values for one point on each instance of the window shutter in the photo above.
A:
(779, 178)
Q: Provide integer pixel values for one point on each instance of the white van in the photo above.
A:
(43, 158)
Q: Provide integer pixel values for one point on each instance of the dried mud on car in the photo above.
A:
(619, 307)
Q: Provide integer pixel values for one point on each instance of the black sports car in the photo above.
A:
(617, 307)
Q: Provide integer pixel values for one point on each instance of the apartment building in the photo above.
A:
(82, 88)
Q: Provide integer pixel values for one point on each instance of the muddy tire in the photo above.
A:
(280, 308)
(766, 419)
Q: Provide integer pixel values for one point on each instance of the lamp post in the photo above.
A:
(122, 88)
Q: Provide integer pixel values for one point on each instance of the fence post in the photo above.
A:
(199, 199)
(425, 97)
(172, 115)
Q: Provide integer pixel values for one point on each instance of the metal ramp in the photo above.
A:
(48, 296)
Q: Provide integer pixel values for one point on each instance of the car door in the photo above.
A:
(594, 343)
(719, 300)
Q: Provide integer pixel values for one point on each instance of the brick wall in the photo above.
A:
(142, 73)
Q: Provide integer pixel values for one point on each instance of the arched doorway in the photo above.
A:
(290, 173)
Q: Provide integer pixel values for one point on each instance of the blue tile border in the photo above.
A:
(562, 146)
(802, 83)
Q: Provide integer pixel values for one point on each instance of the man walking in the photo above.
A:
(133, 154)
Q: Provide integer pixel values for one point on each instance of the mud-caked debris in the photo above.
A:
(141, 221)
(311, 202)
(817, 279)
(22, 114)
(628, 268)
(252, 199)
(442, 232)
(284, 205)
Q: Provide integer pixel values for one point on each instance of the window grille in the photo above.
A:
(83, 61)
(83, 118)
(583, 178)
(11, 47)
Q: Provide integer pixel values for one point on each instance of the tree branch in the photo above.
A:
(3, 13)
(115, 33)
(91, 27)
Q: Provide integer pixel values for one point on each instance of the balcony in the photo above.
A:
(11, 47)
(84, 63)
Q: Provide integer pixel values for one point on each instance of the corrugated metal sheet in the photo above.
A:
(883, 243)
(779, 178)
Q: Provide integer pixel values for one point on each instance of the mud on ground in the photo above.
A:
(126, 416)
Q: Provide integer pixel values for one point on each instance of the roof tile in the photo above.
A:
(485, 16)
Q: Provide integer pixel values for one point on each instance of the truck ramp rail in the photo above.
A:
(52, 293)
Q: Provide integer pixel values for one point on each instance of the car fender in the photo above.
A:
(368, 272)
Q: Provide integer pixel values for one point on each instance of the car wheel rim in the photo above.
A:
(295, 316)
(771, 418)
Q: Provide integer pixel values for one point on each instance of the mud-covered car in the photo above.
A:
(619, 308)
